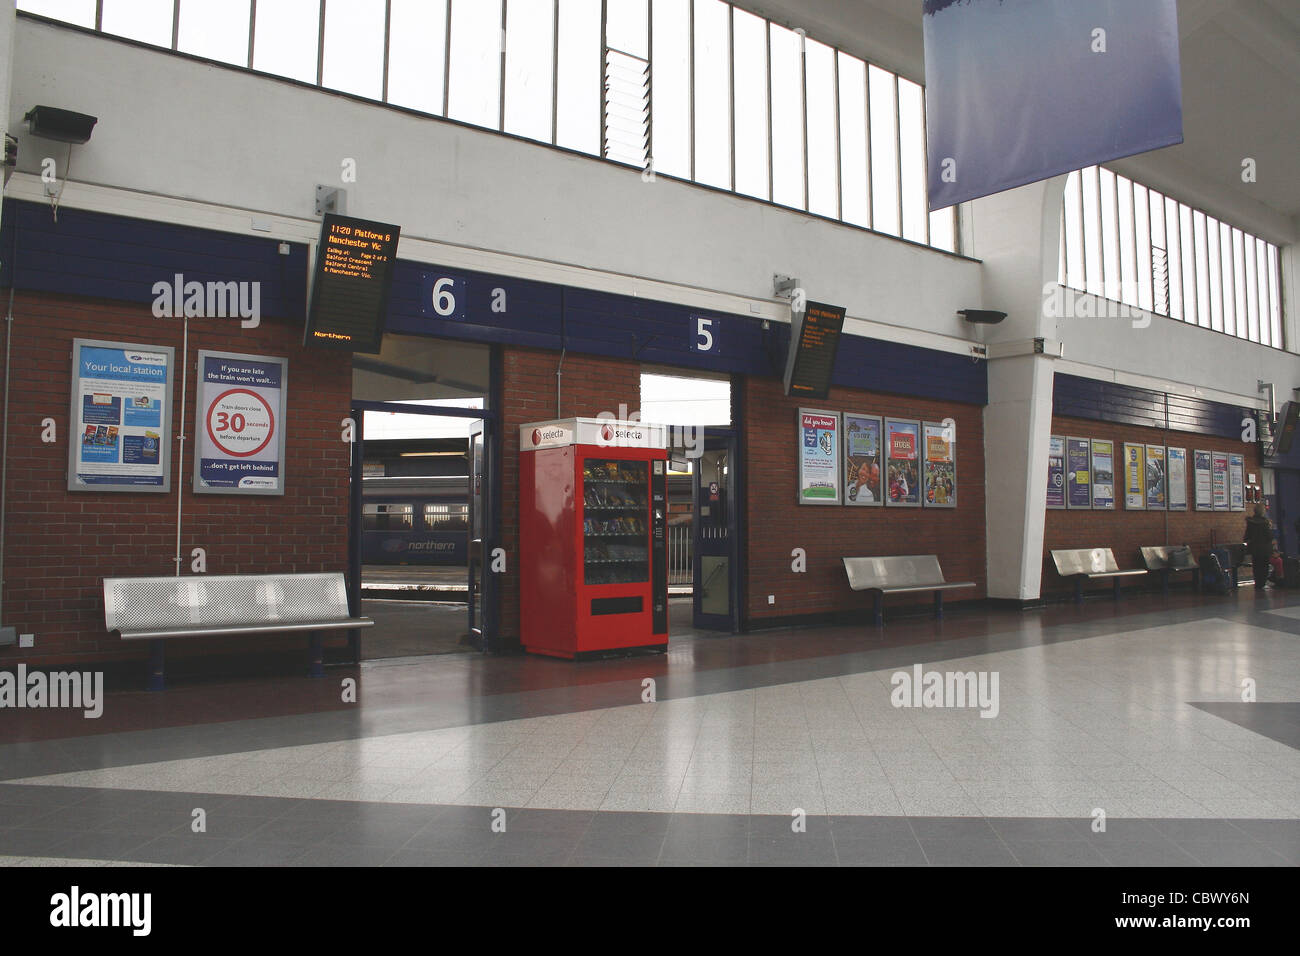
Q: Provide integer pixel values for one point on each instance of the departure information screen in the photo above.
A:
(814, 340)
(354, 273)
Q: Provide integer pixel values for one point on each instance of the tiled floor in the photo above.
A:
(783, 748)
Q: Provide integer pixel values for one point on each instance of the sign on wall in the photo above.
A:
(1156, 496)
(1237, 482)
(1078, 486)
(240, 424)
(814, 341)
(120, 417)
(940, 449)
(863, 460)
(1219, 479)
(1103, 474)
(902, 463)
(819, 457)
(1056, 472)
(1176, 478)
(1134, 477)
(1203, 480)
(351, 282)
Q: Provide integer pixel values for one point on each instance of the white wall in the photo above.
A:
(180, 128)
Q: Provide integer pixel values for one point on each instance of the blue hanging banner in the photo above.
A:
(1019, 91)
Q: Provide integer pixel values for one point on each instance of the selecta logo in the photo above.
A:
(547, 434)
(537, 436)
(607, 433)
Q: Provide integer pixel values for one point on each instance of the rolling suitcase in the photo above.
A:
(1214, 579)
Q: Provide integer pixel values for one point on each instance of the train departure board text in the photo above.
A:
(814, 340)
(354, 272)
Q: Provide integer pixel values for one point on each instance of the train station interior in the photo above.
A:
(425, 413)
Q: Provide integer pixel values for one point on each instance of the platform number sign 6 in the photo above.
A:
(444, 296)
(703, 334)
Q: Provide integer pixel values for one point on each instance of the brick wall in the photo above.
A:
(60, 545)
(777, 523)
(1124, 532)
(591, 386)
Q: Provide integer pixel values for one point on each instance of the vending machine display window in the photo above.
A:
(615, 536)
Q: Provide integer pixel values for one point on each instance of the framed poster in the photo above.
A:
(1103, 474)
(1156, 497)
(1237, 482)
(939, 446)
(819, 457)
(240, 424)
(1202, 480)
(1135, 498)
(862, 460)
(1056, 472)
(120, 417)
(902, 463)
(1078, 485)
(1219, 479)
(1176, 478)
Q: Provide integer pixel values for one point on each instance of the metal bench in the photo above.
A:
(1091, 564)
(900, 575)
(1170, 559)
(159, 609)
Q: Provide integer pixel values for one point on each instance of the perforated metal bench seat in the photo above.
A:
(900, 574)
(1168, 559)
(1091, 564)
(163, 608)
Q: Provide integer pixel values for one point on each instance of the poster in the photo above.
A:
(120, 417)
(1078, 487)
(1176, 475)
(862, 460)
(903, 466)
(1103, 474)
(1219, 476)
(1156, 477)
(939, 446)
(1202, 481)
(1056, 472)
(240, 424)
(1135, 498)
(1237, 482)
(819, 457)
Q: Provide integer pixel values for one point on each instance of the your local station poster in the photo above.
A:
(240, 424)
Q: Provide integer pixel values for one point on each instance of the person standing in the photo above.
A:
(1259, 542)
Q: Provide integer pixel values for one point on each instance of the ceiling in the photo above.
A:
(1241, 96)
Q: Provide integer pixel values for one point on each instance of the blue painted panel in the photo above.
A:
(1077, 397)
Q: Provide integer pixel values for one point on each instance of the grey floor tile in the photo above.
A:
(730, 848)
(644, 847)
(252, 853)
(769, 851)
(879, 851)
(1243, 852)
(951, 828)
(180, 850)
(967, 851)
(1145, 853)
(1045, 852)
(1054, 829)
(101, 846)
(335, 855)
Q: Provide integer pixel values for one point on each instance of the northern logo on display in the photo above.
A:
(65, 690)
(76, 909)
(953, 689)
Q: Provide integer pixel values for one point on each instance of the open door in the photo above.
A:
(716, 573)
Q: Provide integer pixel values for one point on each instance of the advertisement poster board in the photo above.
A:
(1135, 498)
(1103, 474)
(863, 460)
(939, 445)
(1237, 482)
(1056, 472)
(1078, 485)
(1219, 479)
(902, 463)
(1176, 478)
(819, 457)
(1156, 496)
(240, 424)
(1202, 480)
(120, 416)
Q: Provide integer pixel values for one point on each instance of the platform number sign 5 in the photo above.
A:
(443, 296)
(704, 334)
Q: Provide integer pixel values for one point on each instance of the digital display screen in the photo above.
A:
(354, 273)
(814, 340)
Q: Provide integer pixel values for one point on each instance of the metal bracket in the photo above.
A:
(331, 199)
(783, 287)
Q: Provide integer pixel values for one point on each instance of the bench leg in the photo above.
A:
(938, 605)
(878, 609)
(1078, 590)
(1164, 582)
(316, 655)
(1196, 580)
(1116, 586)
(157, 677)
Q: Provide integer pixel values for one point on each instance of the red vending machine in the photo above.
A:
(592, 537)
